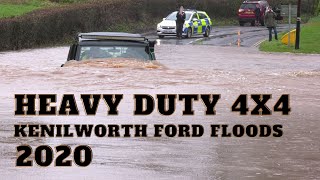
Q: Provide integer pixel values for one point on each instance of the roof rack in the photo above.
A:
(246, 1)
(110, 36)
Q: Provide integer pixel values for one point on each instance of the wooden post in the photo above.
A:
(298, 25)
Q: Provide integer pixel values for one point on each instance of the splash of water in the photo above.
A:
(305, 74)
(116, 63)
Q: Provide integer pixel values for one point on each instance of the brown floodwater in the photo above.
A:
(179, 70)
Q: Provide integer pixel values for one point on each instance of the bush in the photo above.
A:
(58, 25)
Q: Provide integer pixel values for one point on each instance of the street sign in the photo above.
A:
(289, 11)
(285, 10)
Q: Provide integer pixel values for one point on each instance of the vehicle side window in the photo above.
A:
(202, 16)
(195, 16)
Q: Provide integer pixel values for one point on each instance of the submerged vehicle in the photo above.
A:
(196, 23)
(111, 45)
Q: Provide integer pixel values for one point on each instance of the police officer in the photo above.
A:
(257, 12)
(181, 16)
(270, 21)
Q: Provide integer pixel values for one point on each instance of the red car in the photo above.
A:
(246, 12)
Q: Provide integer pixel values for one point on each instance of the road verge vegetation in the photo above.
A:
(60, 25)
(14, 8)
(309, 40)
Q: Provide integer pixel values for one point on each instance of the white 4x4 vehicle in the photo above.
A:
(197, 22)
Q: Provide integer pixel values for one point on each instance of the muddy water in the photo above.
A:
(226, 71)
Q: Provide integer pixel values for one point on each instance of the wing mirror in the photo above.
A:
(194, 19)
(163, 19)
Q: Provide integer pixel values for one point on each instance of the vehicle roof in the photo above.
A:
(192, 10)
(252, 2)
(202, 12)
(122, 34)
(112, 43)
(110, 36)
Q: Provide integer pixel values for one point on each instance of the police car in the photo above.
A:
(106, 45)
(196, 23)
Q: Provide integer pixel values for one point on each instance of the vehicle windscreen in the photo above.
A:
(248, 6)
(111, 52)
(173, 16)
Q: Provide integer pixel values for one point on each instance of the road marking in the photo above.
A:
(258, 43)
(199, 39)
(210, 36)
(227, 34)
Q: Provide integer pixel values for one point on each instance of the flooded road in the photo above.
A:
(229, 71)
(240, 36)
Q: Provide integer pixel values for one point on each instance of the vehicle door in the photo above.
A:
(204, 22)
(197, 27)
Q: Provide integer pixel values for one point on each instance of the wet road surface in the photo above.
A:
(246, 36)
(229, 71)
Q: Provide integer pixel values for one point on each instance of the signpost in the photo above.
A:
(298, 25)
(289, 24)
(289, 11)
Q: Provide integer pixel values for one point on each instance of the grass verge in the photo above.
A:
(309, 40)
(14, 8)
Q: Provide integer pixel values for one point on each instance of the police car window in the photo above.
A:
(188, 15)
(195, 16)
(202, 16)
(173, 16)
(107, 52)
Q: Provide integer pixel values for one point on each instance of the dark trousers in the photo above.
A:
(179, 28)
(258, 19)
(275, 33)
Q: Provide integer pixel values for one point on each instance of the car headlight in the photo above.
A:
(158, 26)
